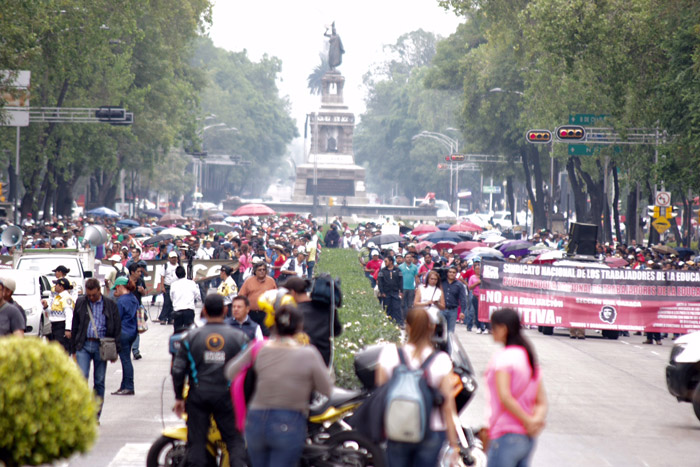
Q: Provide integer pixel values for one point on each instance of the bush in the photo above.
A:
(364, 321)
(47, 410)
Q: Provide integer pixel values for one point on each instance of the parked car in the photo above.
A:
(31, 288)
(501, 220)
(683, 370)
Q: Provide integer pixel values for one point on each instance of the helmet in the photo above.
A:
(272, 300)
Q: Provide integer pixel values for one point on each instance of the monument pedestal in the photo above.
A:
(331, 153)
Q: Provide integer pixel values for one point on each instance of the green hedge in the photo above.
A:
(47, 410)
(364, 321)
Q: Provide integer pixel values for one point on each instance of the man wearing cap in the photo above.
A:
(11, 320)
(166, 280)
(228, 288)
(61, 313)
(10, 286)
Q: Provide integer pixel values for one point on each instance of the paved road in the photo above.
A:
(608, 404)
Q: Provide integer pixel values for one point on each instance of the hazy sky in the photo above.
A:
(293, 31)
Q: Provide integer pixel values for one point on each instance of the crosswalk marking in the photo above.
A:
(131, 455)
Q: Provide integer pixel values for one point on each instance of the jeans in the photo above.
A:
(510, 450)
(450, 315)
(135, 345)
(392, 307)
(91, 352)
(310, 269)
(126, 342)
(423, 454)
(407, 302)
(166, 312)
(201, 406)
(470, 318)
(275, 437)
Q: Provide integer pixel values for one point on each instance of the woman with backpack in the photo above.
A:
(420, 353)
(515, 394)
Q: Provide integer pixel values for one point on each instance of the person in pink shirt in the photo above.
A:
(515, 398)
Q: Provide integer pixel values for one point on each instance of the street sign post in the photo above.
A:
(493, 190)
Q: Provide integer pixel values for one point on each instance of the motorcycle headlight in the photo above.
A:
(676, 351)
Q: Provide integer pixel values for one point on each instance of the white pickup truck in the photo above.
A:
(81, 264)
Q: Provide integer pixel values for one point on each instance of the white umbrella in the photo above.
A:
(141, 231)
(486, 251)
(493, 239)
(175, 232)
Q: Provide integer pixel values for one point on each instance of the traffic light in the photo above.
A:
(539, 136)
(331, 201)
(455, 158)
(571, 133)
(442, 166)
(114, 115)
(2, 192)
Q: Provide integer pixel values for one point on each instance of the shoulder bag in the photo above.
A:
(108, 345)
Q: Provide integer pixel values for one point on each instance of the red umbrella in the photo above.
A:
(461, 247)
(423, 245)
(444, 245)
(289, 214)
(616, 262)
(424, 229)
(253, 210)
(465, 226)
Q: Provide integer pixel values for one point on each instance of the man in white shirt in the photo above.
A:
(166, 281)
(184, 293)
(205, 251)
(294, 266)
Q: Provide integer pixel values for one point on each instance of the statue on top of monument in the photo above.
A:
(335, 48)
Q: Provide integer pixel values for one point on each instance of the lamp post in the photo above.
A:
(453, 145)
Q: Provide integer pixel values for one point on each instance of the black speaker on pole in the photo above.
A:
(582, 239)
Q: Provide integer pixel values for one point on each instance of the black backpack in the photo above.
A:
(120, 272)
(321, 290)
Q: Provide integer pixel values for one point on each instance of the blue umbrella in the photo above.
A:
(684, 252)
(444, 226)
(443, 236)
(127, 223)
(103, 212)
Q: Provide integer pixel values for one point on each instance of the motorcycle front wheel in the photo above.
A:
(350, 448)
(166, 452)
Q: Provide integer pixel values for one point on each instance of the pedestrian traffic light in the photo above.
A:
(539, 136)
(571, 133)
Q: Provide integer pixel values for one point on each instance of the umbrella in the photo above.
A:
(515, 247)
(493, 239)
(462, 247)
(404, 229)
(423, 245)
(152, 213)
(157, 239)
(141, 231)
(465, 236)
(443, 236)
(217, 216)
(157, 228)
(616, 262)
(127, 223)
(171, 218)
(539, 248)
(465, 226)
(253, 210)
(289, 214)
(220, 227)
(485, 251)
(664, 250)
(103, 212)
(386, 239)
(549, 256)
(423, 229)
(444, 226)
(175, 232)
(685, 252)
(444, 245)
(235, 220)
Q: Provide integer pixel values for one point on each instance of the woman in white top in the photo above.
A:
(430, 296)
(420, 328)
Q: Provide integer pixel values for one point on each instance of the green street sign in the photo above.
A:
(589, 150)
(496, 190)
(586, 119)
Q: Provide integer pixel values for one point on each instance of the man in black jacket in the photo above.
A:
(201, 359)
(390, 283)
(84, 342)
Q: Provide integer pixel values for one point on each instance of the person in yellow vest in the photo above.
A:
(62, 271)
(61, 313)
(227, 288)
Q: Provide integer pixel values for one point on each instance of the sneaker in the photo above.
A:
(658, 343)
(478, 331)
(138, 356)
(647, 342)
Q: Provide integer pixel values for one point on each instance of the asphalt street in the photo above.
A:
(609, 405)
